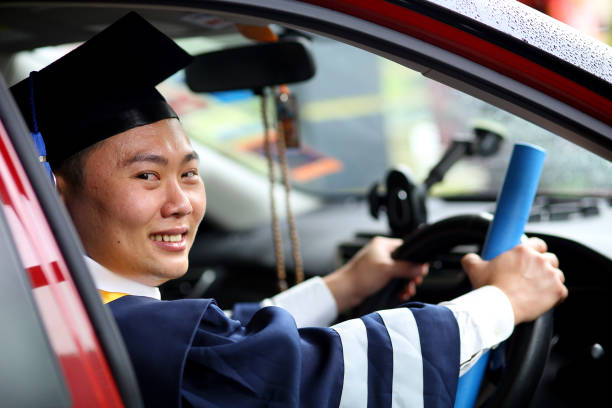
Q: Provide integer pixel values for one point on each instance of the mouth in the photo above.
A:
(170, 240)
(167, 237)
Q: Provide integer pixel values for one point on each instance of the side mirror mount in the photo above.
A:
(404, 199)
(486, 142)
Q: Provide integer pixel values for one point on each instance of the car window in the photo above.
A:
(362, 114)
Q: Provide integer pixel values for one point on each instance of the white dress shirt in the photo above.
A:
(111, 282)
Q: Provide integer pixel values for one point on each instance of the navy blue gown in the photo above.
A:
(188, 353)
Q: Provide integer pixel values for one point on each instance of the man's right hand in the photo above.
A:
(527, 274)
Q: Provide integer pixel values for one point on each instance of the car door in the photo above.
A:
(60, 346)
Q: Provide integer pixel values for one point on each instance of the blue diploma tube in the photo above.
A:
(513, 206)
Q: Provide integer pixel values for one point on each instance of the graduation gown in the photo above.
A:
(189, 353)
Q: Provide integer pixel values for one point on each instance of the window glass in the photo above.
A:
(362, 114)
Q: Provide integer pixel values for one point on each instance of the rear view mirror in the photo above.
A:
(251, 67)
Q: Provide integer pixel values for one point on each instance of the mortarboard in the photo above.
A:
(101, 88)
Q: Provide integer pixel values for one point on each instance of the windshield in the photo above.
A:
(362, 114)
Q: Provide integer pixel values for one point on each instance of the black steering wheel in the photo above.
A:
(526, 351)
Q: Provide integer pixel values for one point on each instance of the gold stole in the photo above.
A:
(108, 297)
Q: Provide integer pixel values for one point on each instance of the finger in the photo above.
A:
(409, 270)
(424, 269)
(390, 243)
(561, 275)
(552, 258)
(562, 295)
(470, 261)
(565, 293)
(408, 291)
(537, 244)
(411, 289)
(476, 269)
(404, 295)
(421, 270)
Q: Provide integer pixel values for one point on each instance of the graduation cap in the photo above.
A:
(101, 88)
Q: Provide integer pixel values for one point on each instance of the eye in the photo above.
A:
(191, 173)
(148, 176)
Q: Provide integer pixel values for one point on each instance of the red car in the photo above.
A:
(398, 92)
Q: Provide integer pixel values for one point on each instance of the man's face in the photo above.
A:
(141, 202)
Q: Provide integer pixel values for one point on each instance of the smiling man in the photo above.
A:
(129, 178)
(154, 170)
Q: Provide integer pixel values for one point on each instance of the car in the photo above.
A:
(399, 119)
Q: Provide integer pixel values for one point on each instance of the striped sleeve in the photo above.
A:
(405, 357)
(481, 328)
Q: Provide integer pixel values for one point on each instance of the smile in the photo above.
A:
(166, 237)
(172, 239)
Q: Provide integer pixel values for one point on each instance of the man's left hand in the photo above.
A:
(370, 270)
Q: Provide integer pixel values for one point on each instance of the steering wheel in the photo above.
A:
(526, 351)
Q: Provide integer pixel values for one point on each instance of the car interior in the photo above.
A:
(369, 147)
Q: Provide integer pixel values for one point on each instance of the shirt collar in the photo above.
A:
(109, 281)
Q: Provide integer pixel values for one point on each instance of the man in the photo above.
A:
(129, 177)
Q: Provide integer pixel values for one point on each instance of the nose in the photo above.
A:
(177, 202)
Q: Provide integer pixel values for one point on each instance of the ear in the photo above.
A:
(62, 186)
